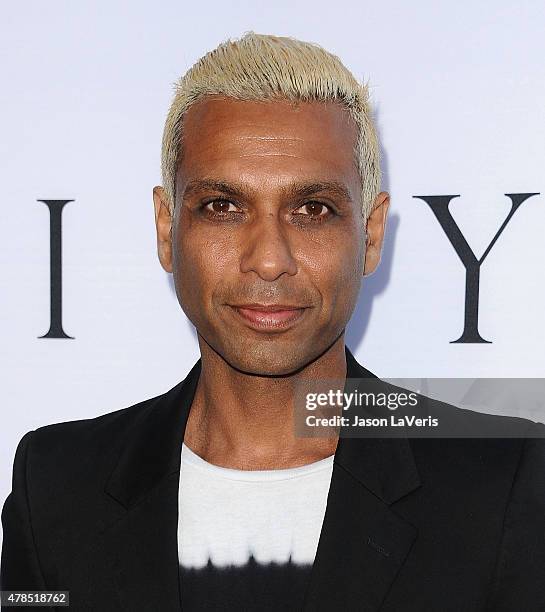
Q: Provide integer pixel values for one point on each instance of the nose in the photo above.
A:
(267, 250)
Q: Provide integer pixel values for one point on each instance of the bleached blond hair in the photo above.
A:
(264, 67)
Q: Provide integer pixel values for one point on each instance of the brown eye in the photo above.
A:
(314, 209)
(220, 206)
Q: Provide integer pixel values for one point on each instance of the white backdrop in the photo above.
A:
(458, 89)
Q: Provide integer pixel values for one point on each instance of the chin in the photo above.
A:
(268, 359)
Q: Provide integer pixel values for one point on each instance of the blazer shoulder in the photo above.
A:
(478, 449)
(469, 423)
(117, 418)
(60, 445)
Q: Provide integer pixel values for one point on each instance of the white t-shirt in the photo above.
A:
(246, 538)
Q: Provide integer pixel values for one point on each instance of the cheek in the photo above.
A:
(336, 265)
(348, 282)
(201, 263)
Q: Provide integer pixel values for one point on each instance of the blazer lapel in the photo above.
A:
(143, 545)
(363, 543)
(143, 554)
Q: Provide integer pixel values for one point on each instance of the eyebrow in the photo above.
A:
(294, 189)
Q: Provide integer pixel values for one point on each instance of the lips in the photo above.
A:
(271, 317)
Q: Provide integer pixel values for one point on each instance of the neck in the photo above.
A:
(246, 422)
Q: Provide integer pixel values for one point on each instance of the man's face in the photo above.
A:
(268, 212)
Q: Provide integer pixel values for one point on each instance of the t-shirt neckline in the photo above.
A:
(191, 458)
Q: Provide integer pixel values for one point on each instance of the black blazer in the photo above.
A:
(421, 525)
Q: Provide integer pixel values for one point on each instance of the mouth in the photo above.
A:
(269, 317)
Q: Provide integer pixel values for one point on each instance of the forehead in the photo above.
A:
(251, 139)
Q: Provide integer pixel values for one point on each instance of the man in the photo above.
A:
(203, 498)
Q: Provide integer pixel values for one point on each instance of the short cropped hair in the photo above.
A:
(264, 67)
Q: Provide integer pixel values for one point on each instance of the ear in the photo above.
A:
(163, 225)
(376, 224)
